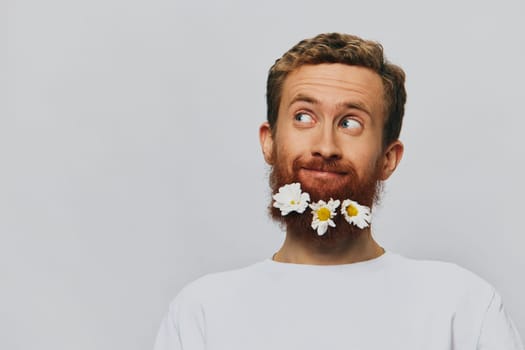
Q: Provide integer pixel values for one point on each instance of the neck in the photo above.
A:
(347, 250)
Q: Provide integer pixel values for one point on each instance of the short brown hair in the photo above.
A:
(346, 49)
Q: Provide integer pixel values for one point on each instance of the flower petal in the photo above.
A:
(321, 230)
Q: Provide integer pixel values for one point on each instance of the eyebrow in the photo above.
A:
(349, 104)
(303, 98)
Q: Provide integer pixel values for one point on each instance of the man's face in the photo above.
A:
(329, 133)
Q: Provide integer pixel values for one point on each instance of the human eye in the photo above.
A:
(350, 123)
(302, 117)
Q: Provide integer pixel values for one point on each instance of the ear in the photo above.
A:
(391, 158)
(266, 140)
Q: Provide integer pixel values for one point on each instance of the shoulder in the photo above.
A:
(216, 286)
(477, 308)
(184, 326)
(450, 282)
(435, 271)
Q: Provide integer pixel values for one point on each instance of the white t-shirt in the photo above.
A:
(390, 302)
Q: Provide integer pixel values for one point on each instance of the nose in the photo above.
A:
(326, 145)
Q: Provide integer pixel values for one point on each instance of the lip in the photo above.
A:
(322, 173)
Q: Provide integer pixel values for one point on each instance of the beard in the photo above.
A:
(365, 191)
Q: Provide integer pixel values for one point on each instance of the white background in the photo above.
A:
(130, 163)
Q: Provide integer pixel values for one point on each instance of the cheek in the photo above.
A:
(364, 159)
(289, 145)
(375, 164)
(282, 156)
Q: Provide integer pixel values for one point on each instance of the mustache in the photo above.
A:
(328, 165)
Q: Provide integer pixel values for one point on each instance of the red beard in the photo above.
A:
(346, 185)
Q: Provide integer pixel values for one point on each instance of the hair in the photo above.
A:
(345, 49)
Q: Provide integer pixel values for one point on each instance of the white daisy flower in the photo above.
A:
(322, 215)
(356, 214)
(290, 198)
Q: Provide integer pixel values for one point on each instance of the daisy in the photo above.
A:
(356, 214)
(322, 215)
(290, 198)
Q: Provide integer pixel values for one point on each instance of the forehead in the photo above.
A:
(336, 83)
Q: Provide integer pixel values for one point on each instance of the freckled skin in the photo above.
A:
(333, 86)
(333, 112)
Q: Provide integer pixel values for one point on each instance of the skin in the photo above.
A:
(336, 112)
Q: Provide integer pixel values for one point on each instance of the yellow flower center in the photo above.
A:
(324, 214)
(352, 210)
(292, 202)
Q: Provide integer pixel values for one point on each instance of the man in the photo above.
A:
(335, 109)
